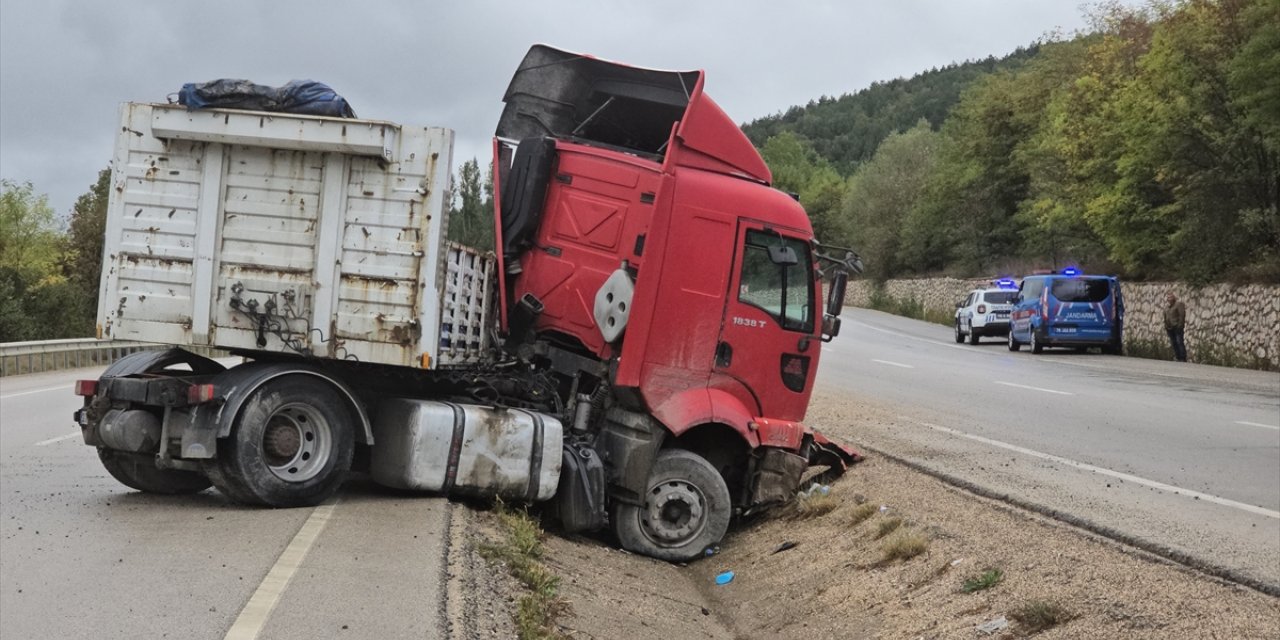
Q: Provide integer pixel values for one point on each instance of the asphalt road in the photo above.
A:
(81, 556)
(1183, 456)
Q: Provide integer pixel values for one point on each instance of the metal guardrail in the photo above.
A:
(52, 355)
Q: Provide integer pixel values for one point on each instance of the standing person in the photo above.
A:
(1175, 321)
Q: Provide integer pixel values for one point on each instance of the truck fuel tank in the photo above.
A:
(466, 449)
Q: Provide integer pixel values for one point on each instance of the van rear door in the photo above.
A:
(1081, 308)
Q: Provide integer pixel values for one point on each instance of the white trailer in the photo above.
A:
(278, 232)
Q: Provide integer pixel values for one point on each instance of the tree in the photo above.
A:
(85, 233)
(798, 169)
(470, 220)
(36, 301)
(883, 191)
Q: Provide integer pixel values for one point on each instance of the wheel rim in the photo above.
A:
(297, 442)
(674, 513)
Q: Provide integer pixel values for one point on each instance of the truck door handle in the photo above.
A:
(724, 354)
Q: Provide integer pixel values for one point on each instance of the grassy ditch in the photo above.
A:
(521, 552)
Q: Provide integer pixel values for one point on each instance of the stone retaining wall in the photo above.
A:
(1226, 324)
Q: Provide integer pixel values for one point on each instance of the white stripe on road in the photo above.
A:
(1106, 472)
(1023, 386)
(1257, 424)
(58, 439)
(253, 617)
(62, 387)
(893, 364)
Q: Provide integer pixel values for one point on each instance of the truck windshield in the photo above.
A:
(783, 291)
(1081, 289)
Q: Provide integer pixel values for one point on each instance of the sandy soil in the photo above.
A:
(833, 584)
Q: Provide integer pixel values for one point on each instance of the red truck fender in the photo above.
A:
(690, 408)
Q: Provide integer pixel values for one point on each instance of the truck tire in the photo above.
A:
(959, 334)
(291, 445)
(139, 471)
(974, 338)
(686, 510)
(1037, 345)
(1014, 345)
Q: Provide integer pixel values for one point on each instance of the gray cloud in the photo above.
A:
(66, 66)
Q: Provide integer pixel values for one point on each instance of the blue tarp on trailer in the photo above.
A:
(307, 97)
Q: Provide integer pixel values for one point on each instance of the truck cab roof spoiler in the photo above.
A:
(578, 97)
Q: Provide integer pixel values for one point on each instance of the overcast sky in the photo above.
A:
(65, 66)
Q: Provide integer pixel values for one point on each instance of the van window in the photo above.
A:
(998, 297)
(1081, 289)
(1031, 288)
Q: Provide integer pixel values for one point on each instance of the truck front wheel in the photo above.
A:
(291, 445)
(686, 509)
(139, 471)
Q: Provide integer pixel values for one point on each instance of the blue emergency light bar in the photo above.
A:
(1006, 283)
(1071, 271)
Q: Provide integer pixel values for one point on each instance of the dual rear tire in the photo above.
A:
(291, 446)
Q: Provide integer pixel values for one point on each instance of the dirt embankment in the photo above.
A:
(834, 580)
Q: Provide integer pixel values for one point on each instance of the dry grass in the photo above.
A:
(904, 546)
(538, 609)
(806, 507)
(888, 526)
(1038, 615)
(861, 513)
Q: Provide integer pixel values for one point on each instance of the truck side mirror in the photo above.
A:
(783, 255)
(835, 297)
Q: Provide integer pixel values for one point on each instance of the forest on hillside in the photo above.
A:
(1147, 147)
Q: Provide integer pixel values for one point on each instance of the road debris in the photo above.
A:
(724, 578)
(785, 546)
(992, 626)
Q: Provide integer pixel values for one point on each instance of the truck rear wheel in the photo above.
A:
(139, 471)
(686, 509)
(291, 445)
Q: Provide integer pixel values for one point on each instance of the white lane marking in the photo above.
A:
(1023, 386)
(62, 387)
(919, 339)
(893, 364)
(253, 617)
(1106, 472)
(58, 439)
(1257, 424)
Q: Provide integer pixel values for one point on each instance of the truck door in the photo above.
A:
(766, 338)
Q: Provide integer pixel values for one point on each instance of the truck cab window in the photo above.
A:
(785, 292)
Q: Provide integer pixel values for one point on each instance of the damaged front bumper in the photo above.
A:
(788, 450)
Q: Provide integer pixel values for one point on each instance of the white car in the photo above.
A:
(985, 312)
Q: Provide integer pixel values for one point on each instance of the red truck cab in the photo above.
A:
(630, 191)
